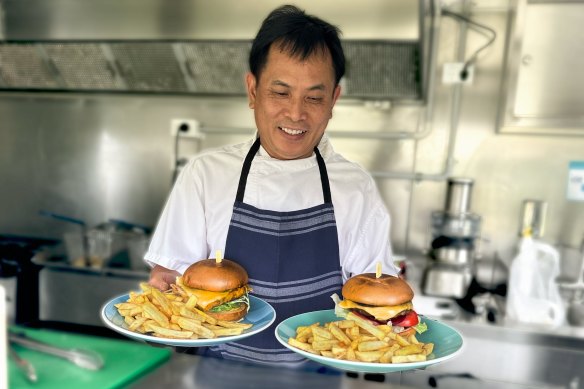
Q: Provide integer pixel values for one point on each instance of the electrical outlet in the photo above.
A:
(452, 73)
(191, 128)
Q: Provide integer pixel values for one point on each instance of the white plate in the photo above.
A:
(261, 315)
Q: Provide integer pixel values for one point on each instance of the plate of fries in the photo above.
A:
(166, 318)
(354, 344)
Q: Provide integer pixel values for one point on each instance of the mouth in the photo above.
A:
(292, 131)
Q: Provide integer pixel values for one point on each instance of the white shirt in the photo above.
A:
(195, 219)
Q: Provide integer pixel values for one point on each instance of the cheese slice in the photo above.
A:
(207, 300)
(384, 312)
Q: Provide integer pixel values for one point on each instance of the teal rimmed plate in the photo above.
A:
(447, 344)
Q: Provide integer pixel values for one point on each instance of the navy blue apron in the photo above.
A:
(292, 259)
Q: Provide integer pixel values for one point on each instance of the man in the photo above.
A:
(283, 229)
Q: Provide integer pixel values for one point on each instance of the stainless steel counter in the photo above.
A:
(195, 372)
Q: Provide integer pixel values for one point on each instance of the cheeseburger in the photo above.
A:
(382, 300)
(220, 288)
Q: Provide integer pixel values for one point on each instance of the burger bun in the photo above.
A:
(231, 315)
(386, 290)
(208, 274)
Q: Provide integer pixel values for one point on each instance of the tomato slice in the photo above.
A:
(408, 319)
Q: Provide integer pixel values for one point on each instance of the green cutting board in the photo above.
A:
(124, 362)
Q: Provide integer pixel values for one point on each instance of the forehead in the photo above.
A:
(281, 61)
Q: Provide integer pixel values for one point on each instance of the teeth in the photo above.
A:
(291, 131)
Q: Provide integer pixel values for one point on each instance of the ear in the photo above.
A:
(336, 94)
(251, 84)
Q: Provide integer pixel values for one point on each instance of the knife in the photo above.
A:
(24, 365)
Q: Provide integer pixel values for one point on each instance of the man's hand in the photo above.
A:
(161, 277)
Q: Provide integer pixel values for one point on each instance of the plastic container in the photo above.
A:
(533, 295)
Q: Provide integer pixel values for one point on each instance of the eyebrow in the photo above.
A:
(319, 87)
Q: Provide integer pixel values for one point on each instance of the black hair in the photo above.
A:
(300, 34)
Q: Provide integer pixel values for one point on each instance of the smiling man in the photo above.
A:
(299, 217)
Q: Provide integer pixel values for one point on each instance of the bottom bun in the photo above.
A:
(231, 315)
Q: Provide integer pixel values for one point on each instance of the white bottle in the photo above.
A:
(533, 295)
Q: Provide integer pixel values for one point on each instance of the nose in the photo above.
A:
(297, 109)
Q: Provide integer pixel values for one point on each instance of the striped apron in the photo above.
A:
(292, 259)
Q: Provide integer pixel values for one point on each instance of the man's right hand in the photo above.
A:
(161, 277)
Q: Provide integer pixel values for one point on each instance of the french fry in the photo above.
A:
(339, 334)
(360, 341)
(364, 324)
(320, 332)
(353, 332)
(351, 354)
(320, 345)
(409, 350)
(412, 339)
(428, 348)
(346, 324)
(169, 333)
(386, 357)
(196, 327)
(369, 356)
(301, 345)
(153, 313)
(371, 345)
(184, 311)
(162, 301)
(191, 302)
(146, 287)
(408, 358)
(398, 338)
(137, 323)
(129, 320)
(221, 331)
(160, 313)
(208, 319)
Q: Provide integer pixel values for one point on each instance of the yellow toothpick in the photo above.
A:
(378, 270)
(218, 256)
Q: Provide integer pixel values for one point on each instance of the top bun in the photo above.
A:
(207, 274)
(386, 290)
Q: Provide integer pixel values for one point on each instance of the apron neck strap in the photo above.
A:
(326, 190)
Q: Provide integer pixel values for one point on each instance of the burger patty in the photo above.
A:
(381, 313)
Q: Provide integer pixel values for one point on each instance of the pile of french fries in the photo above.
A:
(173, 314)
(356, 339)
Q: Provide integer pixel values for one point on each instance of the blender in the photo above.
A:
(455, 233)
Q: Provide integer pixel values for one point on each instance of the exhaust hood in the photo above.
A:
(196, 47)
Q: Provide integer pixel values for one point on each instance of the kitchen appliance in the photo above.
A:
(455, 233)
(19, 275)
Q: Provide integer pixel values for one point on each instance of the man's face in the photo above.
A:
(292, 102)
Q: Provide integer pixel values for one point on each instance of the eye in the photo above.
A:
(315, 99)
(279, 93)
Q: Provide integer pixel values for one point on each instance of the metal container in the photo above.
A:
(458, 195)
(444, 280)
(533, 214)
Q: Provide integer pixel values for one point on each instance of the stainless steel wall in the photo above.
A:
(109, 156)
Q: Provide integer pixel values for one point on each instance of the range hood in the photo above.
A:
(195, 46)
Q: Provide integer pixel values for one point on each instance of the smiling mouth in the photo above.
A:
(291, 131)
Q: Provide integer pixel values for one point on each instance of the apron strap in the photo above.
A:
(245, 169)
(326, 190)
